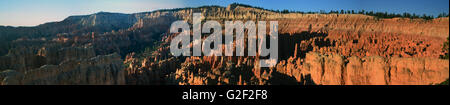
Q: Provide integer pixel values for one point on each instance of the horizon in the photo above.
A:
(47, 11)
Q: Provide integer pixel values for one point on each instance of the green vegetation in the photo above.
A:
(364, 12)
(148, 51)
(442, 15)
(444, 83)
(370, 13)
(445, 48)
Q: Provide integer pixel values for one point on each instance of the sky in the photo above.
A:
(35, 12)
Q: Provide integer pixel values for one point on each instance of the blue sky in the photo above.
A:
(34, 12)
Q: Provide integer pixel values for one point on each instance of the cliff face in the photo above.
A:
(325, 49)
(99, 70)
(59, 65)
(351, 50)
(370, 70)
(24, 59)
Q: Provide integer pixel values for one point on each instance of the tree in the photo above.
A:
(445, 48)
(331, 12)
(407, 15)
(285, 11)
(362, 12)
(322, 12)
(444, 83)
(442, 15)
(370, 13)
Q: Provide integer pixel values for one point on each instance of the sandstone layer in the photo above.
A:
(99, 70)
(370, 70)
(314, 49)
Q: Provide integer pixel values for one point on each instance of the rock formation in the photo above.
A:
(349, 49)
(370, 70)
(99, 70)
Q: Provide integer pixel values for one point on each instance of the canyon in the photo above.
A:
(314, 49)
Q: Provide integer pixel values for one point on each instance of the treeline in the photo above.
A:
(372, 13)
(364, 12)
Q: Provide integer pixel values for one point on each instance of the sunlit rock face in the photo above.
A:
(314, 49)
(370, 70)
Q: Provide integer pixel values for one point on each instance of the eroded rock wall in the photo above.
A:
(369, 70)
(99, 70)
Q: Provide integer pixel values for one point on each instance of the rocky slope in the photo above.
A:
(363, 50)
(325, 49)
(99, 70)
(370, 70)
